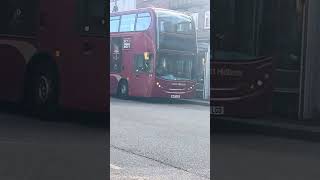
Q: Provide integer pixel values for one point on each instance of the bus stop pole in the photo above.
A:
(207, 75)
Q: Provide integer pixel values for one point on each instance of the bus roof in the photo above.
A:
(144, 10)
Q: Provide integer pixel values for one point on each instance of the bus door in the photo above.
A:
(142, 75)
(116, 66)
(134, 67)
(90, 68)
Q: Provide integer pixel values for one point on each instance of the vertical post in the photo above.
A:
(259, 22)
(204, 79)
(207, 75)
(303, 56)
(254, 25)
(309, 98)
(208, 71)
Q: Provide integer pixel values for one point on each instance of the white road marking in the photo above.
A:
(115, 167)
(132, 178)
(4, 140)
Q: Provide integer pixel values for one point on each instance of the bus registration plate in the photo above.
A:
(217, 110)
(175, 96)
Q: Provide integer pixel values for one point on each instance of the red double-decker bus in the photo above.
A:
(54, 53)
(151, 53)
(242, 84)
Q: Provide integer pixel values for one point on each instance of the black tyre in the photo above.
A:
(41, 97)
(123, 89)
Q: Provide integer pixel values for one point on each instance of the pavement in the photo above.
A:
(197, 101)
(246, 156)
(276, 126)
(159, 139)
(268, 148)
(272, 125)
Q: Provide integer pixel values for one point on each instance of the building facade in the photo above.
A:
(200, 11)
(122, 5)
(153, 3)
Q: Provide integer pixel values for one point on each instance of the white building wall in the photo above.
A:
(123, 5)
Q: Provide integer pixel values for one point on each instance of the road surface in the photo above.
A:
(244, 156)
(157, 141)
(72, 148)
(150, 139)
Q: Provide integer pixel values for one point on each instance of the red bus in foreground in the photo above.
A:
(242, 85)
(151, 53)
(54, 53)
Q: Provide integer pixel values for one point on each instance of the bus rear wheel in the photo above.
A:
(41, 93)
(123, 89)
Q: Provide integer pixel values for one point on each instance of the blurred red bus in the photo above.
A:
(54, 53)
(152, 52)
(242, 85)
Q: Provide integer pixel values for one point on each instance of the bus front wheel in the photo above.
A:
(41, 93)
(123, 89)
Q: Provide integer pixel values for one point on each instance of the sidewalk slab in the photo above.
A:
(305, 130)
(197, 101)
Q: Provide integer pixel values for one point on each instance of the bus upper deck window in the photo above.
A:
(127, 23)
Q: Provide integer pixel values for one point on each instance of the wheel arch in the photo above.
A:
(41, 59)
(123, 80)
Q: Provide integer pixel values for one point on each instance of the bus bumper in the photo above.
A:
(254, 105)
(173, 94)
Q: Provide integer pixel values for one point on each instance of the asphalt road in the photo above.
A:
(149, 140)
(73, 147)
(247, 155)
(159, 140)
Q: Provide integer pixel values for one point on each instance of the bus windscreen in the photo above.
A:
(174, 67)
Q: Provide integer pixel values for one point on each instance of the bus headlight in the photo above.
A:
(158, 84)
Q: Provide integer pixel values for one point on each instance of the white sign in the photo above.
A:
(127, 43)
(175, 96)
(217, 110)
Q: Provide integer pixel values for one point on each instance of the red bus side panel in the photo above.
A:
(242, 88)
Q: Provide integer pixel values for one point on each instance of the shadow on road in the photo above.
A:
(155, 100)
(86, 119)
